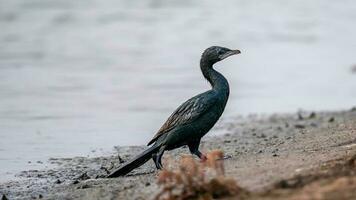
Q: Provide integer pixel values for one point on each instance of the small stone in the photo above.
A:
(147, 184)
(314, 124)
(299, 126)
(332, 119)
(75, 182)
(300, 117)
(353, 69)
(40, 196)
(58, 181)
(83, 186)
(312, 115)
(84, 176)
(286, 125)
(275, 155)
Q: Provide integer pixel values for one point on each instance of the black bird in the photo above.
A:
(192, 120)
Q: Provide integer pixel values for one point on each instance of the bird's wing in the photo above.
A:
(187, 113)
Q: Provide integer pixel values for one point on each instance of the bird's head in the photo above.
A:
(215, 54)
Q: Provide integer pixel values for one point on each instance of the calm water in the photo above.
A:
(78, 76)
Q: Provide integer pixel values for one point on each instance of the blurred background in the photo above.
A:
(79, 77)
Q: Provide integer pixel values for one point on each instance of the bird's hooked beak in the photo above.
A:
(229, 53)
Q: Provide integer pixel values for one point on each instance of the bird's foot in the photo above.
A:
(159, 165)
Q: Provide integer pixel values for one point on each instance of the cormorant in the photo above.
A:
(190, 121)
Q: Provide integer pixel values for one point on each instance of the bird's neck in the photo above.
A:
(217, 81)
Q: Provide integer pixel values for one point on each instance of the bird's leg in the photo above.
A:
(158, 157)
(194, 149)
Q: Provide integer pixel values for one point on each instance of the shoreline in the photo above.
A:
(262, 151)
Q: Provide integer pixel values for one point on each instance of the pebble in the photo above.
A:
(84, 176)
(312, 115)
(287, 125)
(300, 126)
(353, 69)
(332, 119)
(83, 186)
(314, 124)
(300, 117)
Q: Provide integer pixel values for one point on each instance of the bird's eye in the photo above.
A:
(220, 52)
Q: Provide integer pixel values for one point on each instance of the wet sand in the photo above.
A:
(266, 154)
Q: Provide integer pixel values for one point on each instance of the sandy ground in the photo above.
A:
(279, 156)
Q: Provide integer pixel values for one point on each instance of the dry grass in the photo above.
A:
(197, 180)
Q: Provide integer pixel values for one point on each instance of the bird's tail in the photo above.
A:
(134, 163)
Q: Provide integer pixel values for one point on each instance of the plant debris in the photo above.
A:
(194, 180)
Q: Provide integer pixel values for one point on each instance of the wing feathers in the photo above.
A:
(187, 113)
